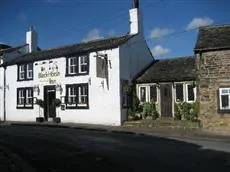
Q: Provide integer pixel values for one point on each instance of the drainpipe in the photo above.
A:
(4, 94)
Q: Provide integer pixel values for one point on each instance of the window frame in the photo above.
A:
(78, 96)
(220, 99)
(78, 65)
(25, 97)
(25, 72)
(140, 95)
(186, 92)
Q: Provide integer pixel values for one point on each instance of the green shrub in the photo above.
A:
(187, 111)
(149, 110)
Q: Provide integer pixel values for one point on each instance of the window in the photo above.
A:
(143, 94)
(30, 71)
(153, 93)
(224, 94)
(25, 97)
(77, 65)
(72, 65)
(25, 72)
(77, 96)
(83, 64)
(190, 93)
(179, 93)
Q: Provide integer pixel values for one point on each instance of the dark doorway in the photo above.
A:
(166, 100)
(49, 102)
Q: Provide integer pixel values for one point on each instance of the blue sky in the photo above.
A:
(168, 24)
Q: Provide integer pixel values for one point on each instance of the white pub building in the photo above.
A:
(80, 83)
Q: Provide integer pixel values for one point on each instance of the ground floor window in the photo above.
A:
(185, 92)
(77, 96)
(147, 93)
(25, 97)
(224, 94)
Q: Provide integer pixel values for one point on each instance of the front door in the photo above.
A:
(49, 102)
(166, 100)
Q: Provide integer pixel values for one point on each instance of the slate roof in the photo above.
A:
(169, 70)
(10, 49)
(75, 49)
(213, 38)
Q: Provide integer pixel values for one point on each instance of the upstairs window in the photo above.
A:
(83, 64)
(72, 65)
(77, 96)
(77, 65)
(224, 94)
(25, 72)
(25, 98)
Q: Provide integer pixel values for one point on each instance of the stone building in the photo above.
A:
(212, 51)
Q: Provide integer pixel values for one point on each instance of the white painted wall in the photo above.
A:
(134, 57)
(104, 104)
(1, 93)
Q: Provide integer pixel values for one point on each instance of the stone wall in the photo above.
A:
(213, 72)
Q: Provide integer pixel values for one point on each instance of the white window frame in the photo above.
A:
(186, 92)
(220, 98)
(29, 71)
(74, 59)
(21, 97)
(21, 74)
(82, 61)
(29, 95)
(148, 92)
(80, 96)
(72, 95)
(146, 96)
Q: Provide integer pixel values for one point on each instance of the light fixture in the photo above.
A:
(59, 88)
(89, 80)
(36, 89)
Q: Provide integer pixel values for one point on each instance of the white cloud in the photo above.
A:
(92, 35)
(159, 32)
(159, 50)
(199, 22)
(22, 16)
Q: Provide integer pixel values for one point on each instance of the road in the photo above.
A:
(63, 149)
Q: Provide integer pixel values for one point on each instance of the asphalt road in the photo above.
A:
(62, 149)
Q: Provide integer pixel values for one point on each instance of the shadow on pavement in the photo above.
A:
(72, 150)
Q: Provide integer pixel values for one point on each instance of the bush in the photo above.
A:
(187, 111)
(149, 111)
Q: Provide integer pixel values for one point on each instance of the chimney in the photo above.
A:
(136, 25)
(31, 39)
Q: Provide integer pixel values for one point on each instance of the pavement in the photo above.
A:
(165, 132)
(11, 162)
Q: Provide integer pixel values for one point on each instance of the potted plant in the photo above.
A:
(40, 103)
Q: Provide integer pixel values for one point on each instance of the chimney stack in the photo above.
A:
(136, 25)
(31, 39)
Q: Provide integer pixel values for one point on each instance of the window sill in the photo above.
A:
(223, 111)
(19, 80)
(77, 107)
(24, 107)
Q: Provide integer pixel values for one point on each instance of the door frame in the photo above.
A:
(45, 97)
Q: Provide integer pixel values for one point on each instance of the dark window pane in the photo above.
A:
(224, 101)
(190, 93)
(179, 92)
(153, 93)
(143, 94)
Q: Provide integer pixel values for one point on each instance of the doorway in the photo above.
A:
(166, 100)
(49, 102)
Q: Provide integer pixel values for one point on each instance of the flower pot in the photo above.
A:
(39, 119)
